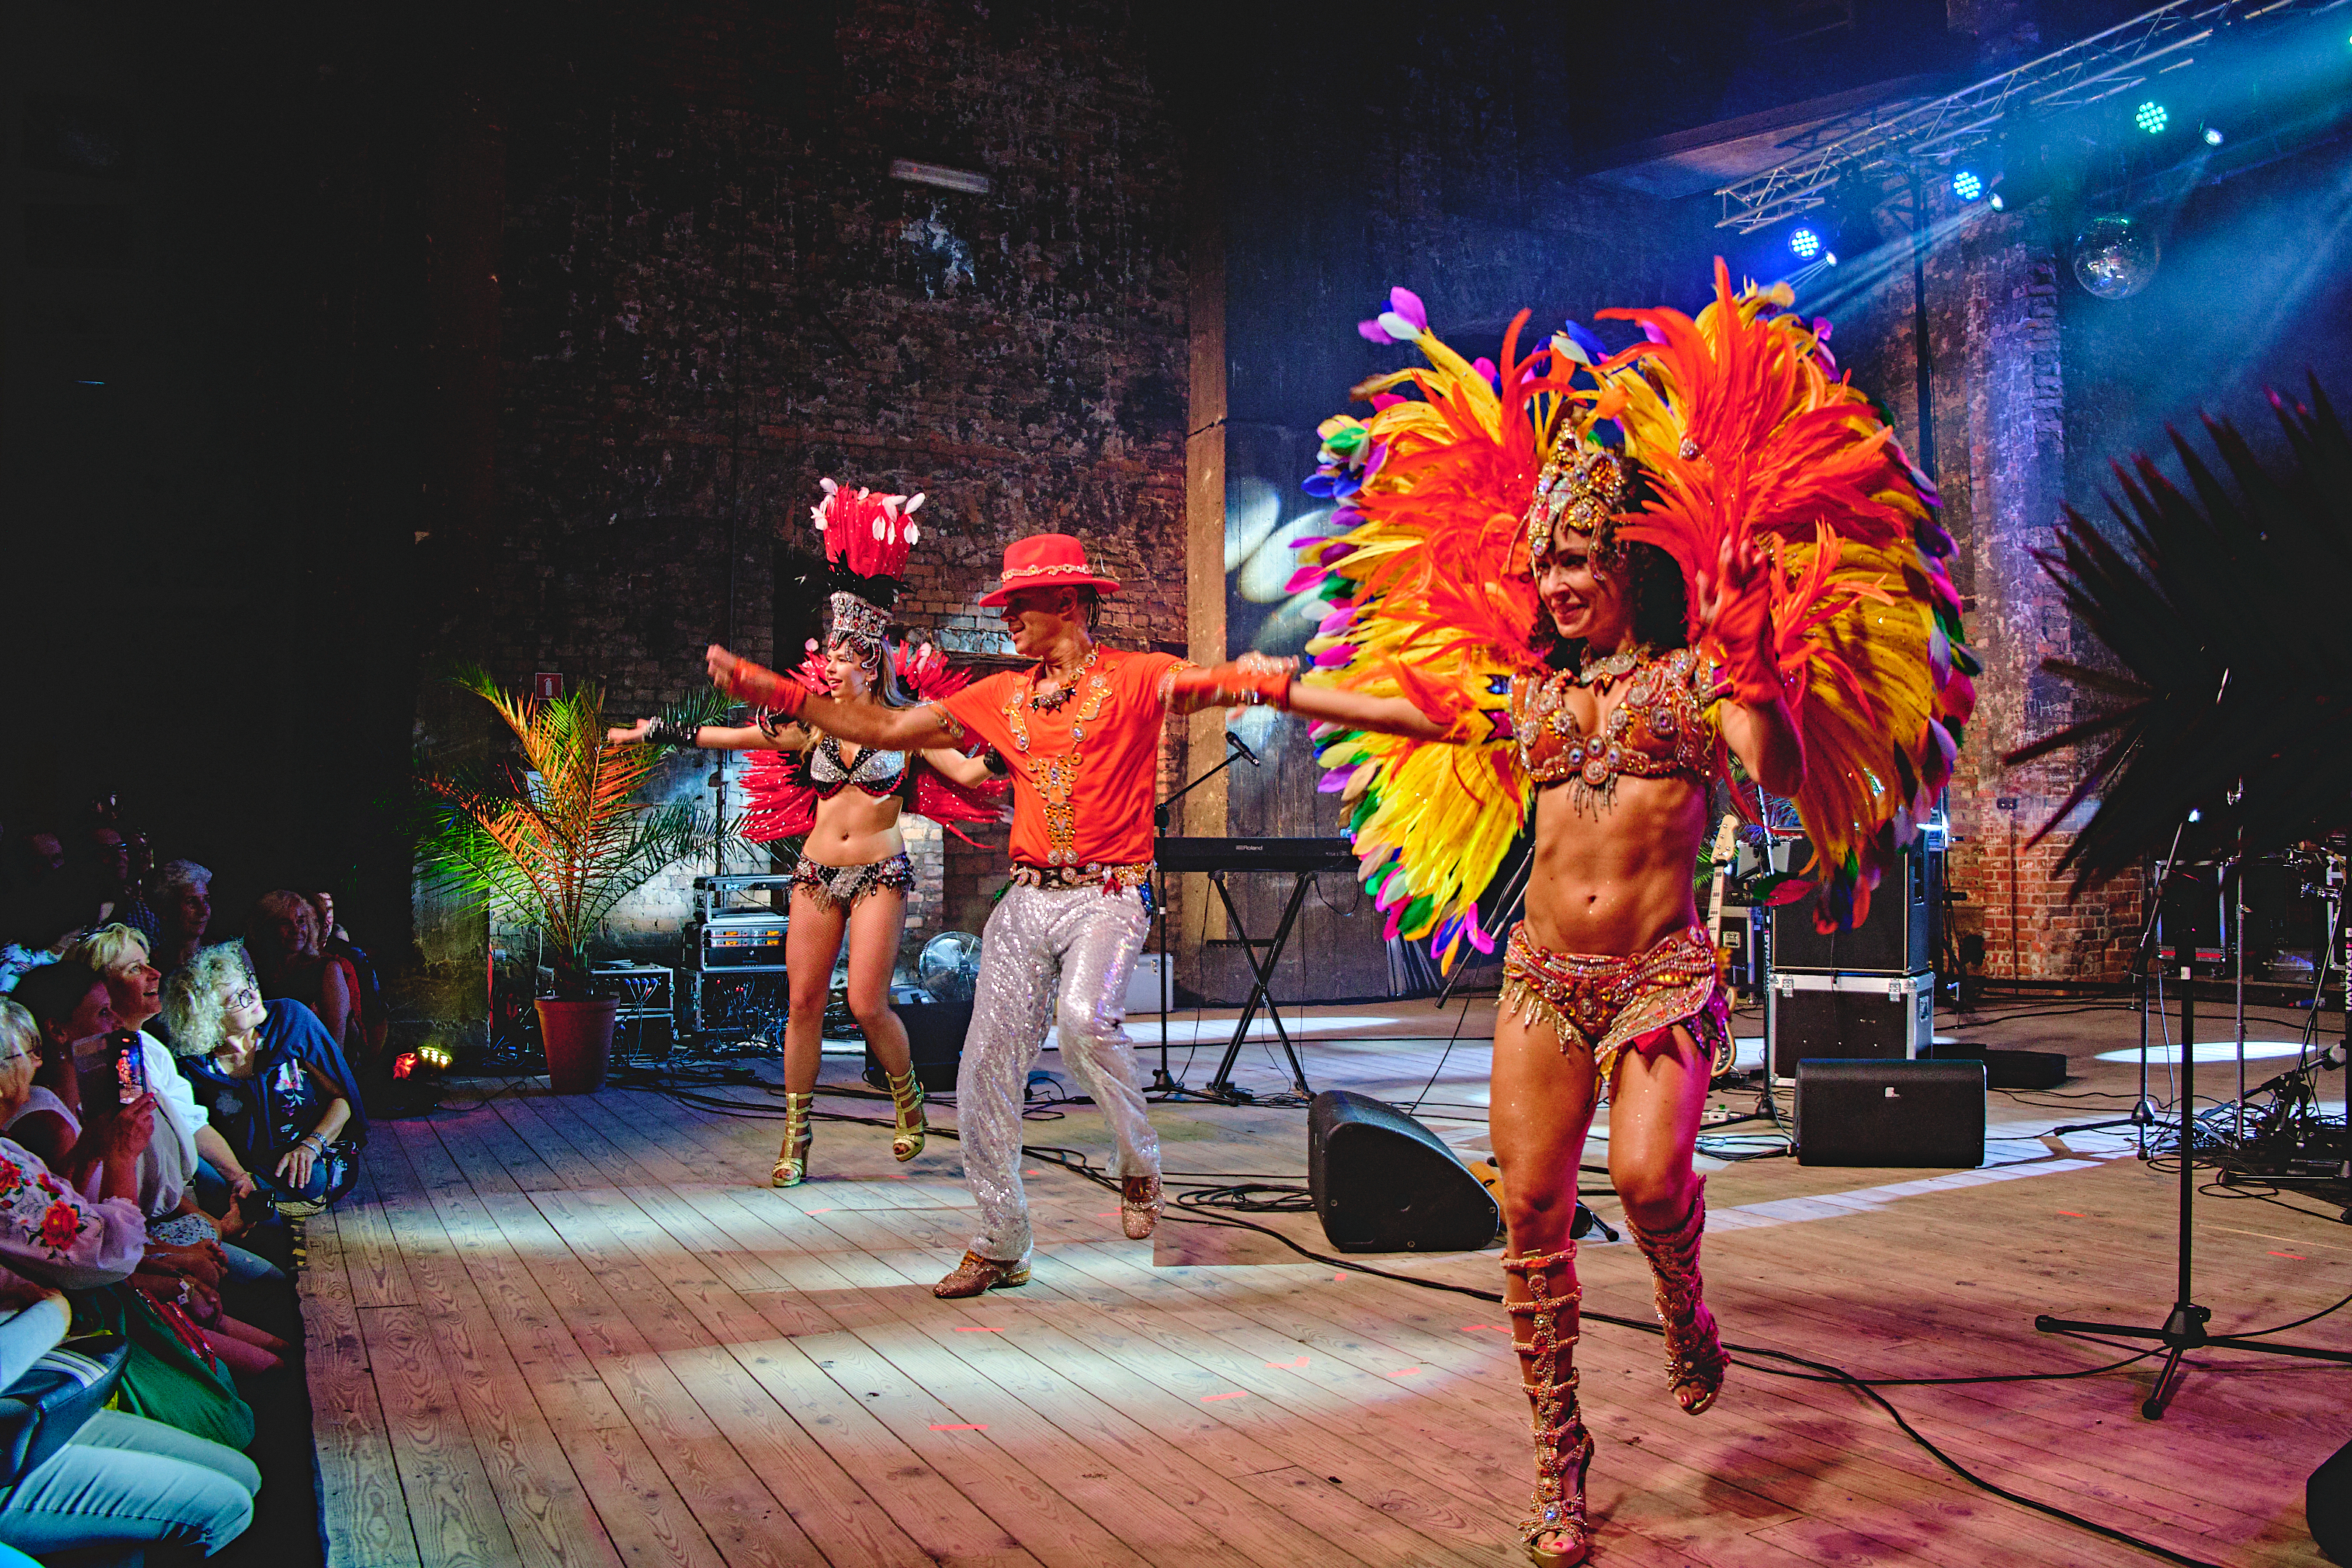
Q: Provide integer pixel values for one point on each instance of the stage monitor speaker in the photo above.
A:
(2327, 1506)
(1890, 1114)
(1383, 1183)
(935, 1032)
(1895, 938)
(2007, 1069)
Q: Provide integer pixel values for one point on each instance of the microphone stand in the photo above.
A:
(2184, 1329)
(1162, 1081)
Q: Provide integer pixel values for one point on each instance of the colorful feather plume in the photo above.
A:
(865, 534)
(1746, 433)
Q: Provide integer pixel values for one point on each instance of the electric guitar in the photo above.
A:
(1727, 838)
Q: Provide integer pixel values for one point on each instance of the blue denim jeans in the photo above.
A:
(126, 1478)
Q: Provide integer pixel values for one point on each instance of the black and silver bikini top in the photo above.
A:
(879, 773)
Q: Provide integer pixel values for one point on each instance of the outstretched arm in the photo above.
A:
(1274, 683)
(956, 768)
(867, 724)
(718, 737)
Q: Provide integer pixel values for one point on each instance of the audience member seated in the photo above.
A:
(366, 1046)
(181, 894)
(273, 1081)
(134, 992)
(69, 1129)
(282, 941)
(123, 1480)
(39, 926)
(117, 889)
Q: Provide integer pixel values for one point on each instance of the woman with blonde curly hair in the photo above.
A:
(135, 989)
(272, 1078)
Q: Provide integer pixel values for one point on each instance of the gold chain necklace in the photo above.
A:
(1057, 777)
(1066, 688)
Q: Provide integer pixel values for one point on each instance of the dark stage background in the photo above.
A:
(337, 344)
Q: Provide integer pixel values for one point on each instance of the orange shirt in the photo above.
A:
(1084, 783)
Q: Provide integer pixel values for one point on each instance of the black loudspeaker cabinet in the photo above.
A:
(1383, 1183)
(1895, 938)
(2327, 1506)
(935, 1032)
(1890, 1114)
(1890, 1017)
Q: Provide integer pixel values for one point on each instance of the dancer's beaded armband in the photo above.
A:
(671, 732)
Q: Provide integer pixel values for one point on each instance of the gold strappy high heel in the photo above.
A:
(791, 1159)
(907, 1097)
(1548, 1368)
(1694, 1357)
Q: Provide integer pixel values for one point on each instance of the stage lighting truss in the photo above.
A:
(1966, 186)
(1927, 139)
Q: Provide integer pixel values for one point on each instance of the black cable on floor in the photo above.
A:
(1078, 1163)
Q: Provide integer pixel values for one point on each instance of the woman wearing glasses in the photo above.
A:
(271, 1078)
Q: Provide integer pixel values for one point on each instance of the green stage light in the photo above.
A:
(2152, 117)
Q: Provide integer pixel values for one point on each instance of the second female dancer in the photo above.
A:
(854, 875)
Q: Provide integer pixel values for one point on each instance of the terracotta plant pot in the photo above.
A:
(579, 1037)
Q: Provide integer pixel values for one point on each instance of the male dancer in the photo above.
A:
(1081, 730)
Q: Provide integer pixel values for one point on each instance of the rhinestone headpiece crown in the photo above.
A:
(1580, 487)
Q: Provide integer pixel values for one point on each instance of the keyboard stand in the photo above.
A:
(1222, 1087)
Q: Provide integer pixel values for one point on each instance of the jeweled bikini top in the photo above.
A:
(879, 773)
(1667, 723)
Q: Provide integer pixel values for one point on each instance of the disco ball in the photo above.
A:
(2113, 257)
(949, 965)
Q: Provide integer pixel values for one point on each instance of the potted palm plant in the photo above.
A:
(554, 838)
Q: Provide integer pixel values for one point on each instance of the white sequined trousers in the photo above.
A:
(1058, 956)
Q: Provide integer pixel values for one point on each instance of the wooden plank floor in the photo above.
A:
(552, 1331)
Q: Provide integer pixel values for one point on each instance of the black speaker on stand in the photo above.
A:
(1383, 1183)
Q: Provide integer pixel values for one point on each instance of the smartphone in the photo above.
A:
(130, 1066)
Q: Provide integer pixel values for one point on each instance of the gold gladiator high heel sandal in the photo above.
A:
(907, 1096)
(1548, 1370)
(791, 1159)
(1694, 1357)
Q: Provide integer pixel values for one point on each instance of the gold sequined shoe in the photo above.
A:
(1557, 1532)
(1139, 1203)
(791, 1159)
(1694, 1357)
(976, 1274)
(907, 1097)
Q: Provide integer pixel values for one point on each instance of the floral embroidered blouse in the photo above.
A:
(49, 1231)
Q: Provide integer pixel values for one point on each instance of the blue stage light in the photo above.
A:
(2213, 136)
(2151, 116)
(1966, 186)
(1806, 244)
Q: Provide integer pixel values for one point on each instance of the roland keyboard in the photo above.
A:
(1296, 855)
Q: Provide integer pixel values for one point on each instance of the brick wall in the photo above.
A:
(710, 294)
(2000, 386)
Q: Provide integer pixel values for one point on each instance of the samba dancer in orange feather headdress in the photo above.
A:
(1578, 589)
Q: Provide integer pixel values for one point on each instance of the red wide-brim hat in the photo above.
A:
(1045, 560)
